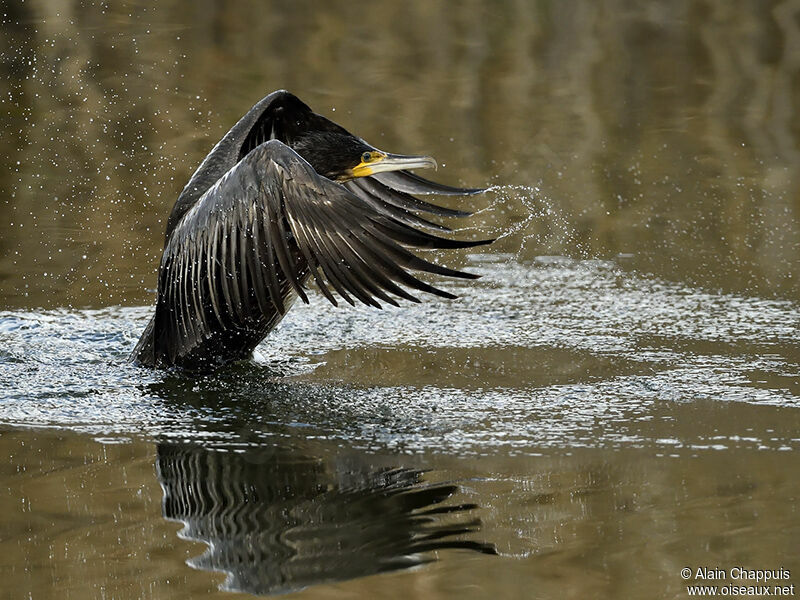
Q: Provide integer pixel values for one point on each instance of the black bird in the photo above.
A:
(284, 196)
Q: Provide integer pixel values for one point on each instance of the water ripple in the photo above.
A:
(555, 353)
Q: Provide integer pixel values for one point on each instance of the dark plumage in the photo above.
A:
(284, 196)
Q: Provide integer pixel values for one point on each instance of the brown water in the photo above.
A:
(617, 398)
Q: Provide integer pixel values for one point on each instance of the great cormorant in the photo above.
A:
(284, 196)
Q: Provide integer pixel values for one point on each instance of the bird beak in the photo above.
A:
(381, 162)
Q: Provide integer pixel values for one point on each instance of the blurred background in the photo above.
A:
(661, 134)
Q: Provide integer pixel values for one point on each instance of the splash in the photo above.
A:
(528, 220)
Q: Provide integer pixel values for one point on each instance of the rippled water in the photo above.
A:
(615, 399)
(555, 353)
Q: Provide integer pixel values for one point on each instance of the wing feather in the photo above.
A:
(410, 183)
(329, 263)
(368, 265)
(232, 269)
(224, 276)
(371, 194)
(211, 264)
(257, 265)
(197, 282)
(307, 234)
(244, 251)
(183, 259)
(280, 239)
(273, 283)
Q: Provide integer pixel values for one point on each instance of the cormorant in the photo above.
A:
(284, 196)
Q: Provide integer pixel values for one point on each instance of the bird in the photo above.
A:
(287, 196)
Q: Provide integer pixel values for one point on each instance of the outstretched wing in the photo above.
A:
(250, 243)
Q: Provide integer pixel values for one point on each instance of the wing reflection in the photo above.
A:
(276, 521)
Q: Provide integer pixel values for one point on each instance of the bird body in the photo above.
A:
(285, 196)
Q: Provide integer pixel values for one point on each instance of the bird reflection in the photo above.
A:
(276, 521)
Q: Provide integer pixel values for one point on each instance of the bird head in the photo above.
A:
(333, 151)
(340, 156)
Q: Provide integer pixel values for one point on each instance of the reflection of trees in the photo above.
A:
(277, 521)
(648, 124)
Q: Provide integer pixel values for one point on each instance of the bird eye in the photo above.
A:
(366, 157)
